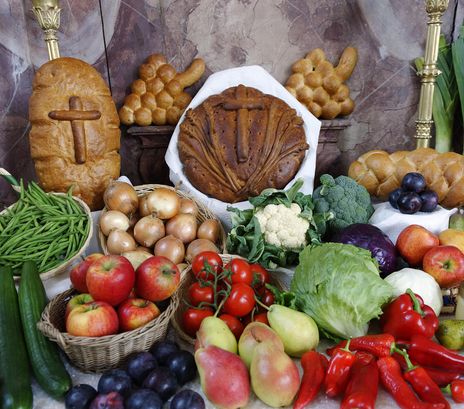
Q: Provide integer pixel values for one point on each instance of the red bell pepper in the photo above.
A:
(393, 381)
(363, 384)
(378, 345)
(314, 367)
(429, 353)
(338, 372)
(422, 383)
(407, 316)
(456, 390)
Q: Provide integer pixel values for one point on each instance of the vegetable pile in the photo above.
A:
(278, 227)
(46, 228)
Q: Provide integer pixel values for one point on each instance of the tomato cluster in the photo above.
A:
(233, 289)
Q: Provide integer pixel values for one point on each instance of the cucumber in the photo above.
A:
(48, 369)
(15, 379)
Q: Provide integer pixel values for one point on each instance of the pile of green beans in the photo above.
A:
(46, 228)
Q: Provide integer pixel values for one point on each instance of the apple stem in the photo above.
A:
(415, 302)
(261, 304)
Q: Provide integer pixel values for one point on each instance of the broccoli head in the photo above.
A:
(349, 201)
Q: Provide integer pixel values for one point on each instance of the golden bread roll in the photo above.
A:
(380, 172)
(318, 85)
(160, 91)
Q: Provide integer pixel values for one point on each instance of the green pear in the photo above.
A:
(297, 330)
(214, 331)
(274, 376)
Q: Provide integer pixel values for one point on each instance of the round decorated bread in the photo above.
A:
(239, 142)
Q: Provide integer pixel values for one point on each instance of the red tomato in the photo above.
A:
(260, 275)
(241, 300)
(241, 271)
(198, 294)
(193, 317)
(233, 323)
(262, 317)
(205, 258)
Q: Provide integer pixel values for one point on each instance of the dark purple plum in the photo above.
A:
(429, 201)
(115, 380)
(80, 397)
(182, 364)
(409, 203)
(393, 197)
(413, 182)
(187, 399)
(162, 349)
(112, 400)
(143, 399)
(162, 381)
(140, 365)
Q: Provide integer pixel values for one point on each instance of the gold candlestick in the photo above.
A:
(428, 74)
(47, 13)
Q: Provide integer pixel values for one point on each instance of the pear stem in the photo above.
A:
(261, 304)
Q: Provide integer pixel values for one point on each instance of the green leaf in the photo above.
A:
(457, 51)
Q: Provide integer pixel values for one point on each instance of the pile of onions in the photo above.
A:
(160, 223)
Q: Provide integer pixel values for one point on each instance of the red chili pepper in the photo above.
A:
(361, 391)
(378, 345)
(339, 370)
(407, 316)
(314, 367)
(440, 377)
(392, 380)
(429, 353)
(421, 382)
(456, 390)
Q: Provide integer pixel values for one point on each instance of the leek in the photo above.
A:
(444, 97)
(458, 63)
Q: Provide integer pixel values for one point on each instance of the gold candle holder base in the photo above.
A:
(47, 13)
(429, 73)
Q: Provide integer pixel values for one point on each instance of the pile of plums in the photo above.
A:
(148, 380)
(413, 195)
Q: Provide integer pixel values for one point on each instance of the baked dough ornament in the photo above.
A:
(75, 136)
(380, 172)
(320, 87)
(158, 96)
(239, 142)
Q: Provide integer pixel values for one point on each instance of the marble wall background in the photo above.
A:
(389, 34)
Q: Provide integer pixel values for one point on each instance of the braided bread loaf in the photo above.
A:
(319, 86)
(380, 172)
(158, 96)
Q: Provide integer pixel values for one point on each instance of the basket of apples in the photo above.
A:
(114, 309)
(226, 286)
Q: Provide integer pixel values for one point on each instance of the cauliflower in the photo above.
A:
(282, 226)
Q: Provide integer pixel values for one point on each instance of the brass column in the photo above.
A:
(435, 9)
(47, 13)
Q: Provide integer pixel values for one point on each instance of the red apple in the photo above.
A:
(156, 279)
(79, 272)
(94, 319)
(110, 279)
(132, 294)
(76, 301)
(135, 312)
(446, 265)
(413, 242)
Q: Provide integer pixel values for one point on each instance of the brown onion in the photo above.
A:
(183, 226)
(133, 219)
(136, 257)
(170, 247)
(113, 220)
(119, 242)
(143, 209)
(188, 206)
(122, 197)
(148, 230)
(144, 249)
(163, 203)
(197, 246)
(209, 230)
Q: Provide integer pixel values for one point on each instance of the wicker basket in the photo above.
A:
(203, 214)
(187, 280)
(92, 354)
(66, 263)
